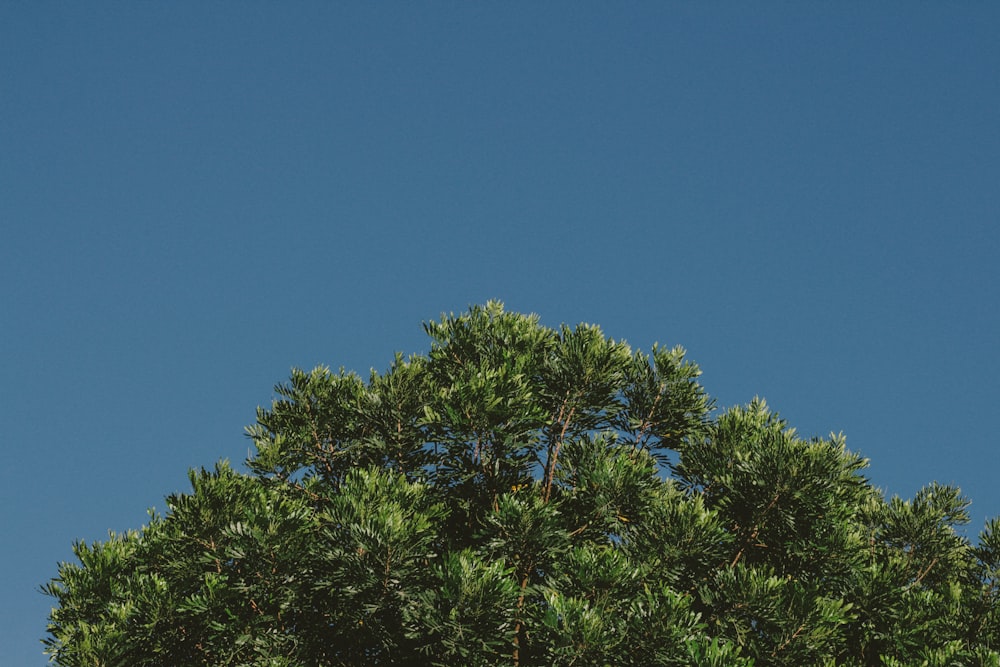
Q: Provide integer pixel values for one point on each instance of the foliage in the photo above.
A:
(521, 496)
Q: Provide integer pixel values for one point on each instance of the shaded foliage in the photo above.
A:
(524, 496)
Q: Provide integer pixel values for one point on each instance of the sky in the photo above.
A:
(195, 198)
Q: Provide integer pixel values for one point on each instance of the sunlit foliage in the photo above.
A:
(523, 495)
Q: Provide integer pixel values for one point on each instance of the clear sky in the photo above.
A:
(196, 197)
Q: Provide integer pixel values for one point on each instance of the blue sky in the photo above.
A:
(196, 198)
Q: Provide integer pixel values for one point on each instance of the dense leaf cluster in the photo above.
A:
(522, 495)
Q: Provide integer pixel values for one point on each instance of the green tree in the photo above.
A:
(525, 496)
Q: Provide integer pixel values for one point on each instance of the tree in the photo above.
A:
(524, 496)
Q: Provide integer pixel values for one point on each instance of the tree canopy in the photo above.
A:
(522, 495)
